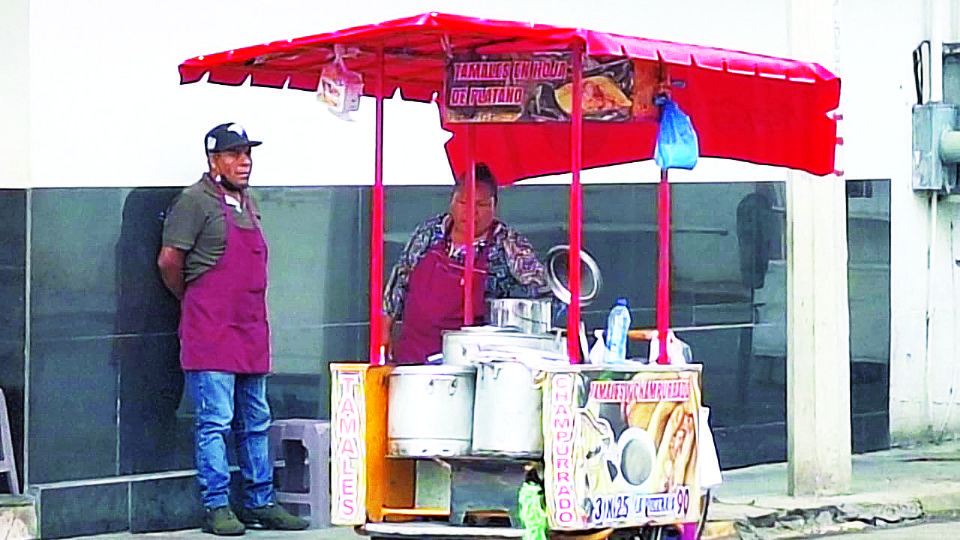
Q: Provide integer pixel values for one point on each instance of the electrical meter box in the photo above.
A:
(930, 122)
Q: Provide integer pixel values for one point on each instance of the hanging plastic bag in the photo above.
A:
(340, 88)
(677, 146)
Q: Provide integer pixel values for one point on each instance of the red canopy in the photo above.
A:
(744, 106)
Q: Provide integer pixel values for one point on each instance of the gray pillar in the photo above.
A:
(818, 351)
(818, 328)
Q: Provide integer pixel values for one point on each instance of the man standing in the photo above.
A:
(214, 260)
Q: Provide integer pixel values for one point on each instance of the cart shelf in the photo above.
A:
(435, 530)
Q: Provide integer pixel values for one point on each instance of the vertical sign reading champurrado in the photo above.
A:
(560, 402)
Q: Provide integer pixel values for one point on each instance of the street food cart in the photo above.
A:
(614, 446)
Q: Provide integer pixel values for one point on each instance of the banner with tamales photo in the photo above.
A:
(538, 87)
(620, 446)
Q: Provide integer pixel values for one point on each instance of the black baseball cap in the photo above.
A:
(227, 136)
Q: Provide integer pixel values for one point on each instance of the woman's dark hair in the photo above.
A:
(482, 176)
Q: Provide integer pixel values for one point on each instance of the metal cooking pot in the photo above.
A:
(430, 412)
(528, 315)
(507, 411)
(458, 343)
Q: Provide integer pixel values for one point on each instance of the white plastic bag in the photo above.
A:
(340, 89)
(677, 350)
(710, 475)
(599, 350)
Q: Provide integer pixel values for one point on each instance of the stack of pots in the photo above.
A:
(456, 410)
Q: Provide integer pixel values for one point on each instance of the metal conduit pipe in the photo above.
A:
(950, 147)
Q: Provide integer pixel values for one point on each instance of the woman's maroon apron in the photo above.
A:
(434, 303)
(223, 322)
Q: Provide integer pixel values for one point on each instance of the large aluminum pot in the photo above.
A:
(457, 344)
(529, 315)
(507, 411)
(430, 412)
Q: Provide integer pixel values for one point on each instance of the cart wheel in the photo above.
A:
(630, 534)
(660, 532)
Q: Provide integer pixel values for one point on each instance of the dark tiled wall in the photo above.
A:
(868, 279)
(13, 223)
(107, 392)
(105, 379)
(104, 329)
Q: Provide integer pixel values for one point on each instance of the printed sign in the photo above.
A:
(348, 474)
(621, 447)
(538, 87)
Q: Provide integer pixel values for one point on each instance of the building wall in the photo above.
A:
(923, 377)
(107, 415)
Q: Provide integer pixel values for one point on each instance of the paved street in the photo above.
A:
(926, 531)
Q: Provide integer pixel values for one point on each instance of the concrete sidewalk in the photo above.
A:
(898, 486)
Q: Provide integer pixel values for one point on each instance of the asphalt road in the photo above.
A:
(942, 530)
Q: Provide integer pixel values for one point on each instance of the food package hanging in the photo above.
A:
(340, 88)
(677, 145)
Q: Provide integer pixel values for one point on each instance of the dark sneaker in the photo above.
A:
(222, 522)
(272, 516)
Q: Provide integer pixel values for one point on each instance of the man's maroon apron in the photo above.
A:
(434, 303)
(223, 322)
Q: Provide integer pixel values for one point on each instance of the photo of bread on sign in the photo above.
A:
(672, 427)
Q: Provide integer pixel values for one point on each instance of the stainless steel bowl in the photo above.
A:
(558, 264)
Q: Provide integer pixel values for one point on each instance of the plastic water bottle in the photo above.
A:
(618, 322)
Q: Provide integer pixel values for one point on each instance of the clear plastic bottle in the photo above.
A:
(618, 322)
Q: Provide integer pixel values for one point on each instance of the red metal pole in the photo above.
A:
(576, 206)
(663, 265)
(376, 233)
(468, 265)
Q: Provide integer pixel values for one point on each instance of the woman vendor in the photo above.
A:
(425, 287)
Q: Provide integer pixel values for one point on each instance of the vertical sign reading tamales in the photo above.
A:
(538, 87)
(621, 447)
(347, 446)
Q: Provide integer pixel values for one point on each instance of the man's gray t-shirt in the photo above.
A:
(195, 224)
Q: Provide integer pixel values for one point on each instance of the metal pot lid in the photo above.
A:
(558, 264)
(435, 369)
(509, 301)
(479, 330)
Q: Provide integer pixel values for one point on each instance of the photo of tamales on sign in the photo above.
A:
(621, 447)
(538, 87)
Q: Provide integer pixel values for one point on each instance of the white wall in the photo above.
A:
(105, 72)
(922, 381)
(14, 92)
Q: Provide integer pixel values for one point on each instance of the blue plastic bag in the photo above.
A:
(677, 146)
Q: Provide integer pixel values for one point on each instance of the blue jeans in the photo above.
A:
(215, 396)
